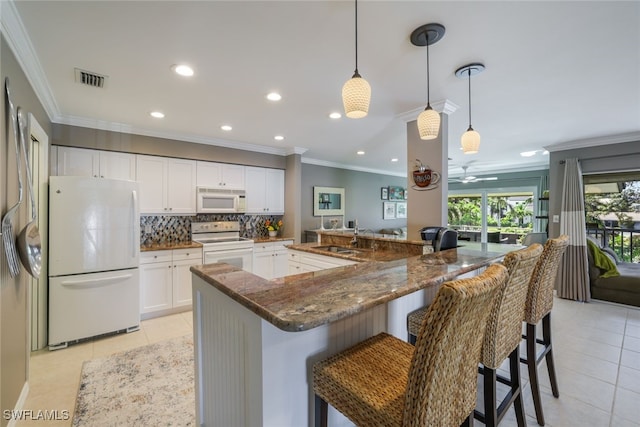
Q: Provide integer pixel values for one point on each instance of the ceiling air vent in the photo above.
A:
(90, 78)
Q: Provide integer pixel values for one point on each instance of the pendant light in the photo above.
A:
(470, 139)
(356, 92)
(429, 119)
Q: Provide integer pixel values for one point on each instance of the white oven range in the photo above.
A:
(221, 242)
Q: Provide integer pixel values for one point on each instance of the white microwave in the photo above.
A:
(214, 200)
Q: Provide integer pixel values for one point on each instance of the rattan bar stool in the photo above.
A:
(502, 338)
(538, 307)
(384, 381)
(414, 322)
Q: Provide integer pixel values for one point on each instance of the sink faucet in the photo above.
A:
(354, 240)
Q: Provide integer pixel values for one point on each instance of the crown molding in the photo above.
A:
(20, 44)
(295, 150)
(444, 106)
(125, 128)
(594, 142)
(328, 164)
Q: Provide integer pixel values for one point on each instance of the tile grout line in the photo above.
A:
(615, 390)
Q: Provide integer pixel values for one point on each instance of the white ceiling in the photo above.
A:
(555, 72)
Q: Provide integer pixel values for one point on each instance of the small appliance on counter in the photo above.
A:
(440, 237)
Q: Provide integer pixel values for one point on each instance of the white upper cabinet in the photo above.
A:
(264, 190)
(98, 164)
(166, 185)
(220, 175)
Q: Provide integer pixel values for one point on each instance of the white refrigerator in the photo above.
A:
(94, 248)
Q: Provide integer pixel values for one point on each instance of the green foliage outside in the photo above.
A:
(508, 218)
(620, 204)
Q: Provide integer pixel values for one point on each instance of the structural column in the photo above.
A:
(427, 206)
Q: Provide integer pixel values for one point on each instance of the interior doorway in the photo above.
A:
(38, 154)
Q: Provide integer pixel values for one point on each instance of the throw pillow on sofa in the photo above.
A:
(602, 260)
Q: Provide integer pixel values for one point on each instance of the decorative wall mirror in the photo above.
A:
(328, 201)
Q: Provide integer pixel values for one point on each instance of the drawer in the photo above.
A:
(186, 254)
(294, 256)
(263, 247)
(150, 257)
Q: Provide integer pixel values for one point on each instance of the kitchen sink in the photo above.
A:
(338, 250)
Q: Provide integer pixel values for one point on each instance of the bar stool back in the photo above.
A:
(538, 307)
(384, 381)
(503, 335)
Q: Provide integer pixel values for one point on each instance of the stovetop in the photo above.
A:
(214, 240)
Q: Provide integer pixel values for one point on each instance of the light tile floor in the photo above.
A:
(596, 345)
(55, 375)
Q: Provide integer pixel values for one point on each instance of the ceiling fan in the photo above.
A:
(470, 178)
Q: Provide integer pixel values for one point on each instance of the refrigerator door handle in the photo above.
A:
(134, 250)
(95, 283)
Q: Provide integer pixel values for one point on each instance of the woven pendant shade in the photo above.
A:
(356, 95)
(470, 141)
(428, 123)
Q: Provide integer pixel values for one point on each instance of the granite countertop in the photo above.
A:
(369, 234)
(167, 246)
(271, 239)
(359, 254)
(305, 301)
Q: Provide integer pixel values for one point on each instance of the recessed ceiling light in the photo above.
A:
(274, 96)
(278, 137)
(395, 159)
(157, 114)
(335, 115)
(226, 127)
(360, 153)
(545, 153)
(183, 70)
(528, 153)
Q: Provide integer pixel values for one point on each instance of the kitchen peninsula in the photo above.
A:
(256, 340)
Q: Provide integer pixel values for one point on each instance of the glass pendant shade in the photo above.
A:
(356, 95)
(428, 123)
(470, 141)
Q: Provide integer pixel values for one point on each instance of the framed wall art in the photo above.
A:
(388, 210)
(396, 193)
(328, 201)
(401, 210)
(384, 193)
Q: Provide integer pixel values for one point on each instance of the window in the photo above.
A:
(612, 209)
(496, 216)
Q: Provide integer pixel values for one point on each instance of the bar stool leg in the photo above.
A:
(546, 338)
(533, 372)
(469, 421)
(516, 386)
(489, 378)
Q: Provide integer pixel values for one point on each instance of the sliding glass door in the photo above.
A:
(502, 215)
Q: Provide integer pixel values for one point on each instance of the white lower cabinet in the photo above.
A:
(270, 259)
(303, 262)
(165, 280)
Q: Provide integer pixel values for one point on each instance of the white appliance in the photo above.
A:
(214, 200)
(221, 242)
(94, 248)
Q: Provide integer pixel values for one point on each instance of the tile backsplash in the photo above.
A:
(169, 229)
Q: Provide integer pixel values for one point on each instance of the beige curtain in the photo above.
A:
(573, 278)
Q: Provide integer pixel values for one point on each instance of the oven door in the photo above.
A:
(241, 258)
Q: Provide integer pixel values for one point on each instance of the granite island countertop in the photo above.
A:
(359, 254)
(308, 300)
(167, 246)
